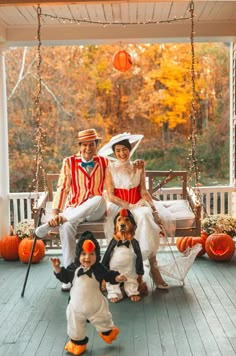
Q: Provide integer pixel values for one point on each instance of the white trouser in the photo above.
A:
(92, 209)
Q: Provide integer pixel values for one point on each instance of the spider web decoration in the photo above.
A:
(179, 267)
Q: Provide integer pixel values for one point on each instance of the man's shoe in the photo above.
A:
(42, 230)
(65, 287)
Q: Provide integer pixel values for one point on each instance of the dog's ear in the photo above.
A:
(131, 217)
(117, 235)
(132, 232)
(114, 222)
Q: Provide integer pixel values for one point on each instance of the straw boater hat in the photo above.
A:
(88, 135)
(134, 140)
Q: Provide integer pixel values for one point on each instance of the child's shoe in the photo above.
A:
(111, 337)
(75, 349)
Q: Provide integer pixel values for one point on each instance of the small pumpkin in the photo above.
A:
(204, 235)
(220, 247)
(183, 243)
(9, 247)
(25, 248)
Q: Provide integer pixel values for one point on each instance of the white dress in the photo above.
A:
(127, 178)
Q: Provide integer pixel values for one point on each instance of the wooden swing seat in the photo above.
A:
(183, 206)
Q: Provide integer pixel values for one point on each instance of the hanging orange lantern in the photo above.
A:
(122, 61)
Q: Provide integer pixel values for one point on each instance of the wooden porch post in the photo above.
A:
(4, 163)
(233, 124)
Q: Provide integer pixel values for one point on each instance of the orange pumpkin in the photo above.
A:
(220, 247)
(25, 248)
(204, 235)
(122, 61)
(9, 247)
(183, 243)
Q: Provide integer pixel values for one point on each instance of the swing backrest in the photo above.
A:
(176, 197)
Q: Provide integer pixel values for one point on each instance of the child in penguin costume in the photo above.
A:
(124, 255)
(87, 303)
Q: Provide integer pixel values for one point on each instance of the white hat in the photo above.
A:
(107, 150)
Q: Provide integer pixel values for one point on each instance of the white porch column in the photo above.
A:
(4, 163)
(233, 123)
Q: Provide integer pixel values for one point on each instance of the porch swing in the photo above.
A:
(185, 205)
(190, 197)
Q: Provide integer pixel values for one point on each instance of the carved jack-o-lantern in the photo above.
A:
(220, 247)
(25, 248)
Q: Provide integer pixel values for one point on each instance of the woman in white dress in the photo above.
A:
(126, 188)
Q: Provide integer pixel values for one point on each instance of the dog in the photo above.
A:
(124, 226)
(124, 255)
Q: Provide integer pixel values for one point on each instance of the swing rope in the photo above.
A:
(183, 266)
(39, 144)
(194, 175)
(40, 134)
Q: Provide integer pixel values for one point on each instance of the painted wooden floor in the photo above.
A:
(198, 318)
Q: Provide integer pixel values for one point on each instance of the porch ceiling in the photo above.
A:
(214, 21)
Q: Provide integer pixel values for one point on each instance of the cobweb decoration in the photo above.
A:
(179, 267)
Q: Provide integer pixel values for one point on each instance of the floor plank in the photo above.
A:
(198, 318)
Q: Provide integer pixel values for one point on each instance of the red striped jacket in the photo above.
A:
(75, 186)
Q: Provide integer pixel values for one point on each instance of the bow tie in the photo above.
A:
(81, 272)
(87, 164)
(121, 243)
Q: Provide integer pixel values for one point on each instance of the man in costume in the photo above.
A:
(79, 194)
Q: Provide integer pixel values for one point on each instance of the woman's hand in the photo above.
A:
(138, 164)
(157, 218)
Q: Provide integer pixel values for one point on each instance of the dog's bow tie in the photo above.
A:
(121, 243)
(81, 272)
(87, 164)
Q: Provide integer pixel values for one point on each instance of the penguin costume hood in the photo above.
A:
(88, 243)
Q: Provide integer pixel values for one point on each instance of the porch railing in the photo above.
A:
(216, 200)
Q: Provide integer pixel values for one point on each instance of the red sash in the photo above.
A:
(132, 195)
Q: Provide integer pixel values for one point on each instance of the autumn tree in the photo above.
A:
(80, 88)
